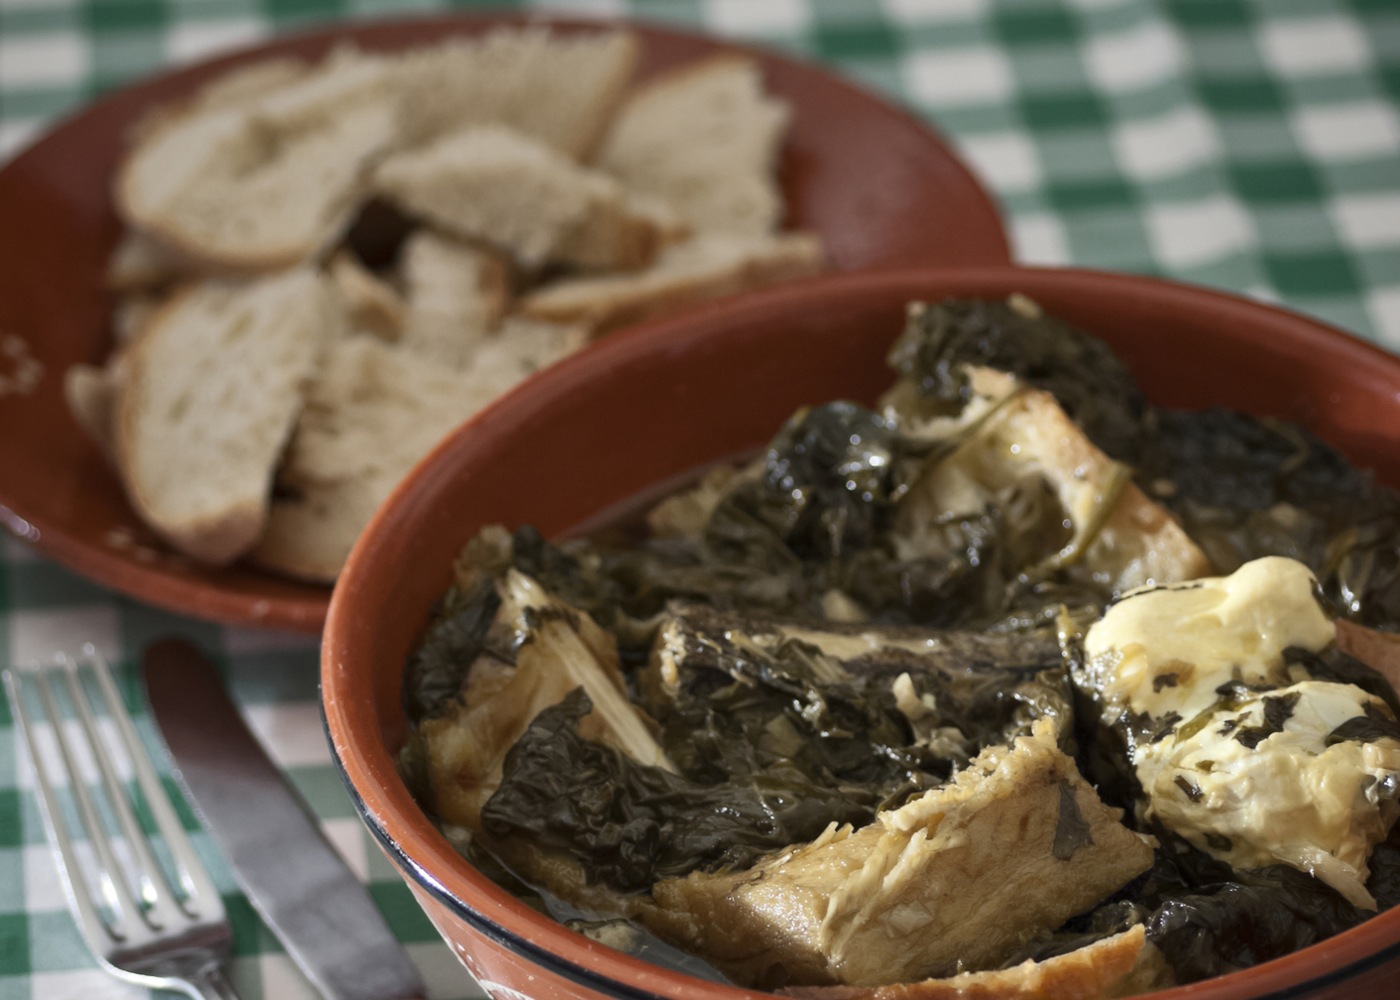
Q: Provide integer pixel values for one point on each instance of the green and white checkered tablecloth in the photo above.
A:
(1253, 146)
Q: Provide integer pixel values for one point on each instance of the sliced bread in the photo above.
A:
(455, 294)
(517, 350)
(370, 304)
(229, 89)
(140, 262)
(561, 89)
(705, 267)
(89, 392)
(501, 186)
(267, 182)
(372, 413)
(211, 389)
(705, 139)
(132, 313)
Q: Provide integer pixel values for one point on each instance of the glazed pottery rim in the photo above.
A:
(425, 857)
(212, 600)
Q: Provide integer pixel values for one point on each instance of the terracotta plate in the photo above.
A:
(881, 188)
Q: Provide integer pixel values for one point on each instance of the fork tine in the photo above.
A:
(126, 910)
(173, 944)
(201, 897)
(91, 923)
(160, 906)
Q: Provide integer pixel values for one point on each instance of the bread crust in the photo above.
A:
(605, 304)
(224, 533)
(343, 104)
(1094, 972)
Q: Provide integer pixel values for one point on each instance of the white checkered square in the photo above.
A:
(347, 836)
(1347, 131)
(50, 754)
(743, 17)
(290, 732)
(1170, 144)
(16, 134)
(951, 77)
(1314, 46)
(191, 41)
(589, 8)
(933, 11)
(84, 984)
(43, 892)
(1188, 234)
(37, 633)
(1367, 221)
(1006, 160)
(445, 977)
(1039, 238)
(277, 976)
(1384, 306)
(43, 60)
(1139, 57)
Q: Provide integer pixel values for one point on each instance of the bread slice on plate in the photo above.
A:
(370, 304)
(501, 186)
(455, 295)
(704, 267)
(561, 89)
(372, 413)
(518, 349)
(705, 139)
(90, 392)
(139, 262)
(267, 181)
(229, 89)
(211, 388)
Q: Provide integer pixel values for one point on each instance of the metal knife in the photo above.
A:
(295, 880)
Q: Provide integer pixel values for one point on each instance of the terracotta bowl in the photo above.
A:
(659, 401)
(880, 186)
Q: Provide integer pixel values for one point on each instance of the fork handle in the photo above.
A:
(209, 984)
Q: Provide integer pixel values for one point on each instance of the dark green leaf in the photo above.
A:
(437, 668)
(1071, 830)
(1089, 381)
(628, 824)
(1376, 724)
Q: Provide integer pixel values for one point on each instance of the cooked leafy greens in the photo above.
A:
(772, 740)
(941, 342)
(628, 825)
(1209, 919)
(842, 626)
(1244, 488)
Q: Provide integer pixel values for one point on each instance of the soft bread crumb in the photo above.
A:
(704, 267)
(211, 389)
(455, 296)
(705, 139)
(494, 184)
(560, 89)
(372, 413)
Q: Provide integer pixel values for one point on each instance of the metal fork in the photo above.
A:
(140, 924)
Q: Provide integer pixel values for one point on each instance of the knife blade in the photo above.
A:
(291, 874)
